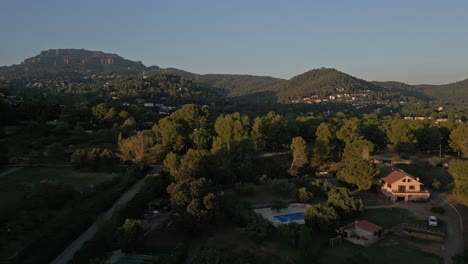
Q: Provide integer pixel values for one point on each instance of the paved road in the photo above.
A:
(70, 251)
(453, 243)
(10, 171)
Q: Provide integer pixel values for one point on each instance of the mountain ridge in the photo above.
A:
(321, 81)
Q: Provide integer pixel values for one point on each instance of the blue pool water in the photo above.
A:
(290, 217)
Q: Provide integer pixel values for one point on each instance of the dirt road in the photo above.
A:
(70, 251)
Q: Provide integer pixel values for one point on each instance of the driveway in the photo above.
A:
(453, 243)
(70, 251)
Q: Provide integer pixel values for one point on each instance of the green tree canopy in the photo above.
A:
(459, 171)
(325, 133)
(359, 172)
(358, 149)
(459, 139)
(136, 149)
(321, 217)
(349, 131)
(195, 197)
(300, 159)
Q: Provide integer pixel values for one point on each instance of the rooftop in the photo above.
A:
(396, 175)
(367, 225)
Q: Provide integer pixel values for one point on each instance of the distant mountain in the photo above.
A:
(74, 62)
(69, 63)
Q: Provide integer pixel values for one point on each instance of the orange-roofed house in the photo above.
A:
(401, 186)
(361, 232)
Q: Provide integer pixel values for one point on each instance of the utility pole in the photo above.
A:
(440, 150)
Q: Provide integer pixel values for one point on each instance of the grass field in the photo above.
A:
(388, 217)
(39, 234)
(13, 186)
(392, 249)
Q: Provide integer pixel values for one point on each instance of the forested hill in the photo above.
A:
(322, 82)
(73, 62)
(457, 91)
(228, 84)
(452, 91)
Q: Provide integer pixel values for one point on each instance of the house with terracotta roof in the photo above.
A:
(361, 232)
(401, 186)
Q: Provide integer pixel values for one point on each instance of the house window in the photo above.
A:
(409, 180)
(404, 180)
(411, 187)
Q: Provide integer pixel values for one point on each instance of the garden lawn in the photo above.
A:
(387, 217)
(13, 186)
(389, 250)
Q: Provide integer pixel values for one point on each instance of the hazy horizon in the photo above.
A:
(417, 42)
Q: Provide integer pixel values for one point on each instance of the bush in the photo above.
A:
(291, 233)
(96, 159)
(258, 229)
(304, 195)
(50, 194)
(284, 188)
(278, 205)
(236, 210)
(321, 217)
(346, 205)
(320, 188)
(436, 184)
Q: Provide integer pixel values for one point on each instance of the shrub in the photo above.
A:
(321, 217)
(304, 195)
(436, 184)
(278, 205)
(284, 188)
(339, 199)
(259, 229)
(320, 188)
(54, 195)
(96, 159)
(79, 159)
(291, 233)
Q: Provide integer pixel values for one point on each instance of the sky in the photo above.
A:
(413, 41)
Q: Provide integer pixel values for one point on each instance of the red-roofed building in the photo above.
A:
(361, 232)
(401, 186)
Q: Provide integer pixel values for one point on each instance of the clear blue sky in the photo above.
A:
(415, 41)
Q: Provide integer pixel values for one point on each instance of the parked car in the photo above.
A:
(432, 220)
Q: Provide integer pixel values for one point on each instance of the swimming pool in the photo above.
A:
(289, 217)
